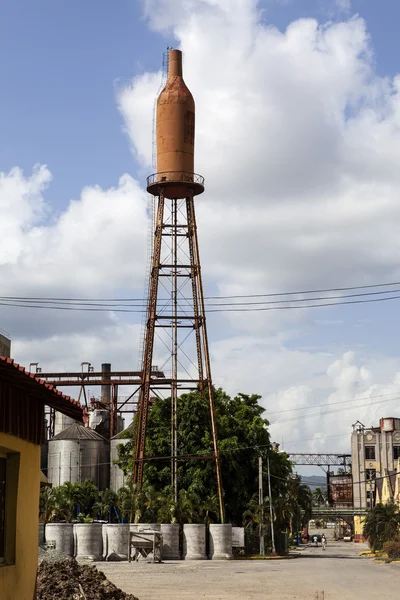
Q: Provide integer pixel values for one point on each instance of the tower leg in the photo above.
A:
(144, 395)
(175, 315)
(174, 354)
(193, 233)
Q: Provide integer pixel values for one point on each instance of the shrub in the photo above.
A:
(392, 549)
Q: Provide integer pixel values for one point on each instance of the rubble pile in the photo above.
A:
(68, 580)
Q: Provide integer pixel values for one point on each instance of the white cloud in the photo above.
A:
(298, 139)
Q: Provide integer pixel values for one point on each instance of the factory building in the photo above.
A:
(22, 401)
(374, 453)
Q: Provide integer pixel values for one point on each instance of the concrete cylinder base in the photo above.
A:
(88, 541)
(118, 540)
(63, 536)
(221, 542)
(194, 542)
(170, 549)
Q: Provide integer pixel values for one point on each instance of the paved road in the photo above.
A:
(339, 571)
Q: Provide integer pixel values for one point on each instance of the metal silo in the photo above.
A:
(78, 453)
(61, 422)
(117, 477)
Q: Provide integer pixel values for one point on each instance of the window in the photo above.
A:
(396, 452)
(370, 474)
(370, 452)
(3, 464)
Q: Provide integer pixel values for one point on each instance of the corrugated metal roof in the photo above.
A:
(14, 374)
(77, 431)
(122, 434)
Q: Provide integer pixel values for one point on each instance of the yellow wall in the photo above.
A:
(358, 528)
(17, 582)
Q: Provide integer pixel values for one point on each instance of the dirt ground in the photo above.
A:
(339, 571)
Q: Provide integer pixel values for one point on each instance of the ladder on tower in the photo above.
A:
(151, 216)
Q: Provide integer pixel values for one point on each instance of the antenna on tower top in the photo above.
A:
(164, 76)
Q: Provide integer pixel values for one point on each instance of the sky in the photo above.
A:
(298, 138)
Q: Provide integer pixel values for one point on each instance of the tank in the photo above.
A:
(76, 454)
(194, 542)
(61, 422)
(88, 541)
(170, 548)
(63, 536)
(175, 132)
(118, 539)
(117, 476)
(389, 424)
(221, 541)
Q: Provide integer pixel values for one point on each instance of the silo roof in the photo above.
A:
(76, 431)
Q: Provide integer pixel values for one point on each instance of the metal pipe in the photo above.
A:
(271, 512)
(105, 388)
(261, 504)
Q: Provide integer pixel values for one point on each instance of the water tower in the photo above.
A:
(175, 312)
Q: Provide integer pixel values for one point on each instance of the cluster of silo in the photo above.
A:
(78, 453)
(117, 476)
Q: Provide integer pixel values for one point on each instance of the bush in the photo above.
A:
(392, 549)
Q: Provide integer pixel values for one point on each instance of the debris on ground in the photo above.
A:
(68, 580)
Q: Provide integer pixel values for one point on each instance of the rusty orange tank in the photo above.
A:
(175, 132)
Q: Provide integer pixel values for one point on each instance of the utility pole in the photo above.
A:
(271, 512)
(261, 504)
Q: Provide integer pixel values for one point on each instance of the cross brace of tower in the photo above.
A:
(176, 332)
(175, 258)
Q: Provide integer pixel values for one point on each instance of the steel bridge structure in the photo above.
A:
(321, 460)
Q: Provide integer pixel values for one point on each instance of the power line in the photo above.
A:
(328, 412)
(276, 412)
(268, 295)
(165, 302)
(232, 308)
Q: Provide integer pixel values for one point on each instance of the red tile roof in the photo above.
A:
(48, 393)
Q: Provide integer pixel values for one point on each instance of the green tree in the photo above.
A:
(55, 505)
(243, 435)
(319, 496)
(102, 508)
(382, 525)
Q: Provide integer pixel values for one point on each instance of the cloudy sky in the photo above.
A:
(298, 137)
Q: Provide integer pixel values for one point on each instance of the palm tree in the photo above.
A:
(319, 496)
(106, 501)
(138, 504)
(382, 525)
(56, 505)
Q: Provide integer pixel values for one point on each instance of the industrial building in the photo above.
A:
(22, 430)
(374, 453)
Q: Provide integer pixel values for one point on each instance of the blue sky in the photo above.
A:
(62, 66)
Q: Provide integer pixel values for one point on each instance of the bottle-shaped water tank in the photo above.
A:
(175, 121)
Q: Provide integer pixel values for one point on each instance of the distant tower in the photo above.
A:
(177, 317)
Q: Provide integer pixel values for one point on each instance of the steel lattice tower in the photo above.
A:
(177, 319)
